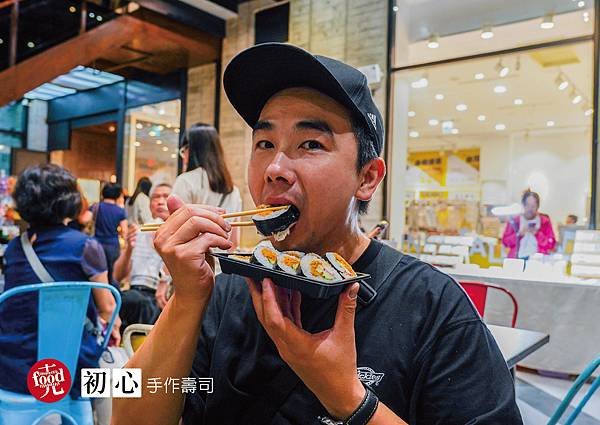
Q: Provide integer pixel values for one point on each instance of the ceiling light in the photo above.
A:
(561, 82)
(395, 8)
(586, 16)
(439, 96)
(581, 4)
(72, 9)
(486, 32)
(168, 125)
(500, 89)
(575, 97)
(137, 144)
(412, 114)
(165, 149)
(454, 131)
(173, 155)
(2, 147)
(161, 127)
(501, 69)
(500, 127)
(481, 117)
(92, 15)
(158, 142)
(1, 41)
(99, 18)
(414, 134)
(518, 101)
(420, 83)
(433, 42)
(176, 130)
(479, 76)
(152, 133)
(139, 126)
(461, 107)
(111, 128)
(447, 126)
(550, 123)
(30, 44)
(547, 21)
(433, 122)
(588, 112)
(161, 111)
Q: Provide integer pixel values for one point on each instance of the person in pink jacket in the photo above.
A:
(531, 232)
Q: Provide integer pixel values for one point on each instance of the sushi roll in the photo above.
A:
(341, 265)
(276, 223)
(265, 256)
(238, 257)
(289, 262)
(317, 268)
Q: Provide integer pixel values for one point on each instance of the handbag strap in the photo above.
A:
(34, 261)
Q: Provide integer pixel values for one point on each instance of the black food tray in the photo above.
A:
(309, 287)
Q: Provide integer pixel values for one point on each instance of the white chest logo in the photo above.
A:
(368, 376)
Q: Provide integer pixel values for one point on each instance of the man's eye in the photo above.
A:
(311, 145)
(264, 144)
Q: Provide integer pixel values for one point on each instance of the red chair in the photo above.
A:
(477, 292)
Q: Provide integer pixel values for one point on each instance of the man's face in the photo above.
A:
(158, 202)
(304, 153)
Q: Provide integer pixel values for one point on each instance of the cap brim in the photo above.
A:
(257, 73)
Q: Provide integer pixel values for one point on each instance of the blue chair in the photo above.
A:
(62, 310)
(585, 375)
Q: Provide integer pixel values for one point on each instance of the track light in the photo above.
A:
(433, 42)
(501, 69)
(547, 21)
(561, 82)
(575, 97)
(486, 32)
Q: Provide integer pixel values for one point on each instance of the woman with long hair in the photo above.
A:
(137, 206)
(206, 179)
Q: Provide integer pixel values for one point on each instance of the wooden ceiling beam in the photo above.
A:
(58, 60)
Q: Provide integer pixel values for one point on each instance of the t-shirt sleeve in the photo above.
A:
(93, 260)
(122, 216)
(463, 379)
(182, 188)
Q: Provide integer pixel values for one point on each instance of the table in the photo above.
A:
(568, 311)
(516, 344)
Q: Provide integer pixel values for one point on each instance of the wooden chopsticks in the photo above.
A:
(153, 227)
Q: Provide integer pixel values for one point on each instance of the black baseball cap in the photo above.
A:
(256, 74)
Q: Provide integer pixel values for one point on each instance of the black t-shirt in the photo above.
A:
(420, 344)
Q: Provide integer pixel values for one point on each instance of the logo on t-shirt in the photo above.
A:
(49, 380)
(368, 376)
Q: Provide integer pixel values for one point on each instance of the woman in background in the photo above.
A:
(531, 232)
(47, 197)
(138, 205)
(207, 180)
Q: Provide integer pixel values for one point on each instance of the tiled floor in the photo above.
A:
(539, 396)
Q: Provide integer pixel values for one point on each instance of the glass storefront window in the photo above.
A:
(476, 140)
(152, 143)
(434, 30)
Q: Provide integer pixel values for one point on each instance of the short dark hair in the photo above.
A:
(47, 194)
(573, 217)
(366, 152)
(527, 193)
(111, 191)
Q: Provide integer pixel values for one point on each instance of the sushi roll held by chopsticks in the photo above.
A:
(276, 223)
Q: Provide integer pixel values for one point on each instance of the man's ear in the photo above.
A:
(370, 176)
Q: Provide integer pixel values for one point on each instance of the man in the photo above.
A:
(145, 268)
(422, 353)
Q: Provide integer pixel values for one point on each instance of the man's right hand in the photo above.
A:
(183, 241)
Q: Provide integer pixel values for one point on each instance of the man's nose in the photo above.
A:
(280, 169)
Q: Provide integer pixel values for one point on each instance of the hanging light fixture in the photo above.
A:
(561, 82)
(486, 32)
(547, 21)
(433, 42)
(501, 69)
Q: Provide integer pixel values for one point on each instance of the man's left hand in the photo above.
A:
(325, 361)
